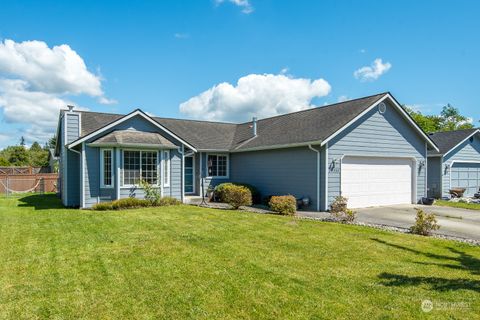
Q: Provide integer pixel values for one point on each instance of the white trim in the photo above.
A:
(450, 169)
(326, 177)
(435, 155)
(65, 165)
(474, 133)
(128, 145)
(277, 146)
(414, 170)
(82, 182)
(402, 111)
(194, 172)
(128, 116)
(426, 170)
(228, 165)
(102, 167)
(183, 174)
(318, 175)
(168, 166)
(118, 167)
(201, 174)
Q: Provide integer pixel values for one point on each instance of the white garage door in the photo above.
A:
(370, 182)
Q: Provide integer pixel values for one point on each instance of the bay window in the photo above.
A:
(140, 165)
(217, 165)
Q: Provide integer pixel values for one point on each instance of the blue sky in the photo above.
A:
(156, 55)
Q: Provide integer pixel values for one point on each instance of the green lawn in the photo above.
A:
(188, 262)
(470, 206)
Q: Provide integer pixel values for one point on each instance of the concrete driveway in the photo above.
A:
(453, 221)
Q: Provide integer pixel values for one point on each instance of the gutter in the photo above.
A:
(318, 174)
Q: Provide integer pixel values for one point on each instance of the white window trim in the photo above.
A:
(228, 165)
(102, 167)
(168, 175)
(126, 186)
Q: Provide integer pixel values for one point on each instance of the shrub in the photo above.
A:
(256, 198)
(151, 194)
(237, 196)
(425, 223)
(286, 205)
(340, 212)
(168, 201)
(220, 189)
(103, 206)
(127, 203)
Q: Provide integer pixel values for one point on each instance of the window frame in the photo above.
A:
(166, 164)
(227, 156)
(122, 167)
(102, 168)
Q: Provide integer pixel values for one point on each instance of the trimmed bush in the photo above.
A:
(220, 189)
(425, 223)
(237, 196)
(131, 203)
(340, 212)
(169, 201)
(256, 198)
(286, 205)
(103, 206)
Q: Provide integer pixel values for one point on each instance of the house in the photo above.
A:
(456, 164)
(368, 150)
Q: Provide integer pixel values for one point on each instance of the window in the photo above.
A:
(166, 168)
(106, 172)
(217, 165)
(139, 165)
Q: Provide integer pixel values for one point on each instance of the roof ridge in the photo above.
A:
(195, 120)
(320, 107)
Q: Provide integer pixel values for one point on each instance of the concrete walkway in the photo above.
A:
(453, 221)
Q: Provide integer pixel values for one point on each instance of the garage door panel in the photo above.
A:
(466, 175)
(368, 181)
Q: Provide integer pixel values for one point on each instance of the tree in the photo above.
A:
(22, 141)
(4, 162)
(448, 120)
(52, 142)
(451, 119)
(18, 156)
(35, 147)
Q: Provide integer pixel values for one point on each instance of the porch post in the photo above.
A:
(118, 172)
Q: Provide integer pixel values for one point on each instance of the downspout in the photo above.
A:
(318, 174)
(183, 173)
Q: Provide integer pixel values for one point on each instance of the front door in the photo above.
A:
(189, 175)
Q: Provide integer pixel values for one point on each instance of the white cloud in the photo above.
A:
(342, 98)
(260, 95)
(372, 72)
(179, 35)
(36, 81)
(246, 6)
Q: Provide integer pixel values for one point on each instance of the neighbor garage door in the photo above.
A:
(466, 175)
(376, 181)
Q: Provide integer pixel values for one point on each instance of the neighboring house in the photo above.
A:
(369, 150)
(52, 161)
(456, 164)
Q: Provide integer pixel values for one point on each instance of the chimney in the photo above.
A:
(70, 108)
(254, 126)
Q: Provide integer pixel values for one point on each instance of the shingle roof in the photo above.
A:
(447, 140)
(132, 137)
(311, 125)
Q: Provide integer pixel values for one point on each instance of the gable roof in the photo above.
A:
(449, 140)
(316, 125)
(133, 138)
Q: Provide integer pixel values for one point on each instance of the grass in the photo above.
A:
(197, 263)
(470, 206)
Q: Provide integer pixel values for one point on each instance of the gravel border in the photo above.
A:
(472, 242)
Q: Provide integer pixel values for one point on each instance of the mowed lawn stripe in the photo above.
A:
(189, 262)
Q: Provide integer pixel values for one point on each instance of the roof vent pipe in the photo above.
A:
(254, 126)
(70, 108)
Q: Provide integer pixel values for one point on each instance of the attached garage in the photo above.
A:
(377, 181)
(456, 164)
(466, 175)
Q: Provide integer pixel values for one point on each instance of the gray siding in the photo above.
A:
(467, 151)
(376, 134)
(278, 172)
(69, 164)
(73, 126)
(434, 177)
